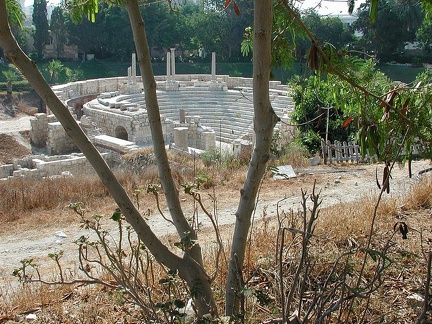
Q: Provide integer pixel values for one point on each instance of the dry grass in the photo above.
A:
(339, 229)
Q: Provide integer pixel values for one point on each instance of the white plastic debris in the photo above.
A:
(60, 234)
(31, 317)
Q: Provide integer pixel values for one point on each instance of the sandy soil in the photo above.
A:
(14, 134)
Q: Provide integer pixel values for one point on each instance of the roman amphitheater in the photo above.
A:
(199, 112)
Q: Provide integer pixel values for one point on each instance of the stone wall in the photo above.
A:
(192, 134)
(47, 132)
(39, 129)
(135, 123)
(96, 86)
(39, 166)
(58, 141)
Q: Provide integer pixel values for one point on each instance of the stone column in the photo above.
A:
(182, 116)
(133, 68)
(181, 137)
(168, 67)
(173, 64)
(213, 67)
(129, 75)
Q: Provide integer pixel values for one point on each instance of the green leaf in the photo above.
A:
(116, 216)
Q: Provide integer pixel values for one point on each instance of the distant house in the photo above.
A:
(69, 52)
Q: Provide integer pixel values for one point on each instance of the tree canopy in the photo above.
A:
(40, 21)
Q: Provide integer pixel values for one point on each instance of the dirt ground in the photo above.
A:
(14, 131)
(337, 184)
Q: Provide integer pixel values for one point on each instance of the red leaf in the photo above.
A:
(389, 98)
(236, 9)
(405, 106)
(227, 2)
(347, 122)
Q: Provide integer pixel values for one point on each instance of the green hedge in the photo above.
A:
(17, 86)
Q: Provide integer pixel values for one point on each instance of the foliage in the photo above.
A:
(58, 30)
(327, 30)
(185, 28)
(392, 28)
(15, 13)
(424, 35)
(18, 86)
(12, 73)
(389, 117)
(40, 21)
(314, 99)
(54, 67)
(211, 156)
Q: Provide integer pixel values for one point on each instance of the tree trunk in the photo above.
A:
(199, 278)
(9, 90)
(189, 266)
(264, 121)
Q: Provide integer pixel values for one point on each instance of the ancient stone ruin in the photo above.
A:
(199, 112)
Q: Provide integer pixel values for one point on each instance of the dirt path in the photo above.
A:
(337, 186)
(15, 125)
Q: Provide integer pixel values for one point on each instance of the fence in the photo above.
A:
(343, 152)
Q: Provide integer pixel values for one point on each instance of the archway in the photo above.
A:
(120, 132)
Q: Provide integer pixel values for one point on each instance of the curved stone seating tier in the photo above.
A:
(228, 113)
(226, 106)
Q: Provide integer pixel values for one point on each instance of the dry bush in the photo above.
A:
(20, 198)
(420, 196)
(295, 155)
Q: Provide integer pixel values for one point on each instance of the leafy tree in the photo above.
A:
(313, 101)
(116, 25)
(236, 25)
(326, 30)
(158, 16)
(424, 35)
(58, 30)
(199, 35)
(389, 117)
(87, 35)
(54, 67)
(387, 35)
(40, 21)
(11, 74)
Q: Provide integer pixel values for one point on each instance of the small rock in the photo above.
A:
(66, 174)
(314, 161)
(337, 181)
